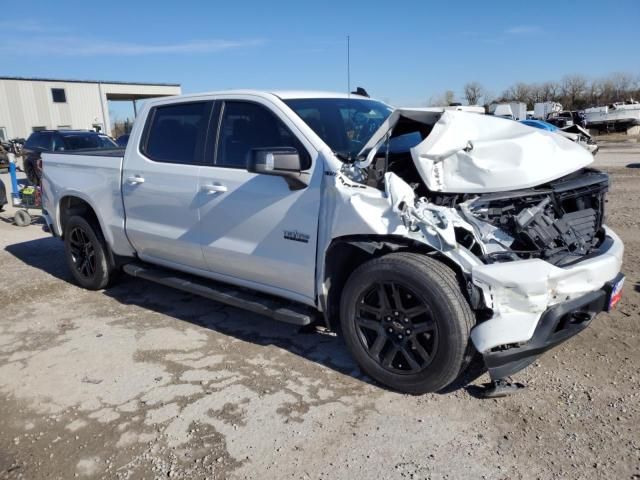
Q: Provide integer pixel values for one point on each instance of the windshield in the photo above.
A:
(78, 141)
(345, 124)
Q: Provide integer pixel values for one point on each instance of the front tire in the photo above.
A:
(86, 253)
(406, 322)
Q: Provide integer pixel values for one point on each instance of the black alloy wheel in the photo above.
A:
(396, 327)
(83, 253)
(406, 321)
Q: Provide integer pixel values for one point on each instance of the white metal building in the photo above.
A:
(29, 104)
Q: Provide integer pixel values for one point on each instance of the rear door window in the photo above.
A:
(245, 126)
(177, 133)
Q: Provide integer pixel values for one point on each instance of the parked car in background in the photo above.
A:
(472, 231)
(122, 140)
(575, 133)
(566, 118)
(58, 141)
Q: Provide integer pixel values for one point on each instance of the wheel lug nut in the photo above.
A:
(406, 320)
(399, 337)
(408, 332)
(390, 330)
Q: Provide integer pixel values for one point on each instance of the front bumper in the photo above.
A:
(521, 293)
(557, 324)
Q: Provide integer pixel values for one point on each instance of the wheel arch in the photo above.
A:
(75, 205)
(347, 253)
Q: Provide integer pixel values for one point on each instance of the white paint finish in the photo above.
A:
(162, 209)
(25, 103)
(470, 153)
(240, 228)
(518, 300)
(94, 179)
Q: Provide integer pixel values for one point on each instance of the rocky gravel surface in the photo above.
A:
(139, 381)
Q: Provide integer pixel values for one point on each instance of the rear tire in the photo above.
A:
(406, 322)
(86, 253)
(31, 172)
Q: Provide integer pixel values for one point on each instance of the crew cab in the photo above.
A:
(420, 235)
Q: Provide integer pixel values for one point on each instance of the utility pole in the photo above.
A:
(348, 65)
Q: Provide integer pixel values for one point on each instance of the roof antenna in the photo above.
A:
(348, 66)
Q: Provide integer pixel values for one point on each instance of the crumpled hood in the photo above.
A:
(473, 153)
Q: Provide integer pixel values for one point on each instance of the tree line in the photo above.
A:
(574, 92)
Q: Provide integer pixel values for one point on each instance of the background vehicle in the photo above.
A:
(392, 224)
(57, 141)
(511, 110)
(575, 133)
(122, 140)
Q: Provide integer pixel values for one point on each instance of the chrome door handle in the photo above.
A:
(136, 179)
(214, 188)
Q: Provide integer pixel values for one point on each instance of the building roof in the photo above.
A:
(37, 79)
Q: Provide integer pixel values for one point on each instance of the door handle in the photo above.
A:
(136, 179)
(214, 188)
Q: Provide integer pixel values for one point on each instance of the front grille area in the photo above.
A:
(558, 222)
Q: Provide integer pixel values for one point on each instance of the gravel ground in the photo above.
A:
(140, 381)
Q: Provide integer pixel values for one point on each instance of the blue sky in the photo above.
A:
(403, 52)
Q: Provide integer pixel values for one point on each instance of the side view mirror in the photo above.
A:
(280, 161)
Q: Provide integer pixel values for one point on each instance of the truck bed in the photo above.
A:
(95, 176)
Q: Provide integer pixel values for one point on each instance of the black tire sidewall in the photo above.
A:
(100, 278)
(452, 339)
(30, 171)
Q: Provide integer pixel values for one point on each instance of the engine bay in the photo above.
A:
(559, 222)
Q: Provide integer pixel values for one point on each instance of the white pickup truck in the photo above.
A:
(421, 235)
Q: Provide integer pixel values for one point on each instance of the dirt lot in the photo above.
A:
(139, 381)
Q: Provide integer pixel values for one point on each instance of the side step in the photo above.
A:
(255, 302)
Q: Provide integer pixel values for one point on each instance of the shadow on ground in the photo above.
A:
(633, 165)
(314, 344)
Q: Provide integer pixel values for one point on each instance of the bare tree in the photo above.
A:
(573, 90)
(472, 92)
(550, 91)
(488, 98)
(517, 93)
(622, 84)
(449, 97)
(443, 100)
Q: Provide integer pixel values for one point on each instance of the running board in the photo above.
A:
(268, 306)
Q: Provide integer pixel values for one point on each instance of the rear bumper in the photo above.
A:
(558, 324)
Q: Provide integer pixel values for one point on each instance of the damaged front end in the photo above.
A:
(559, 222)
(537, 258)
